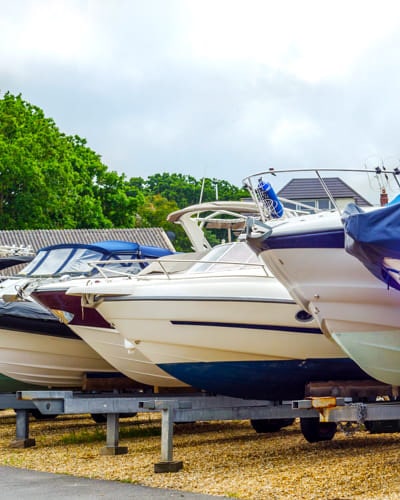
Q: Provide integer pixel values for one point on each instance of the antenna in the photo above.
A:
(202, 190)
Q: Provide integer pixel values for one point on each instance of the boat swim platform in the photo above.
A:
(175, 408)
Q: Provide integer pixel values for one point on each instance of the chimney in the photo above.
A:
(384, 197)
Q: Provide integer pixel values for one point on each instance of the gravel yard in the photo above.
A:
(220, 458)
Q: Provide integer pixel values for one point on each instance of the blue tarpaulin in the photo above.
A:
(371, 236)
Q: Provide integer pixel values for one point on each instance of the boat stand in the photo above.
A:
(189, 407)
(192, 408)
(22, 439)
(22, 411)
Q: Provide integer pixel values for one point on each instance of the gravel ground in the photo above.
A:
(220, 458)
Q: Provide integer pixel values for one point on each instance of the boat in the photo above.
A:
(104, 338)
(13, 255)
(225, 325)
(35, 346)
(10, 256)
(306, 252)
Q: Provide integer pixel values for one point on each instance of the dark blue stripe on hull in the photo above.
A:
(326, 239)
(251, 326)
(271, 380)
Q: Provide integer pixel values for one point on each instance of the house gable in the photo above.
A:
(310, 189)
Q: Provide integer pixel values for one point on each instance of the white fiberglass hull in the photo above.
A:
(47, 360)
(218, 317)
(89, 325)
(352, 306)
(184, 330)
(239, 336)
(125, 357)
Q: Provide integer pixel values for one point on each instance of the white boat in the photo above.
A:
(353, 307)
(100, 335)
(225, 325)
(35, 347)
(13, 255)
(104, 338)
(10, 256)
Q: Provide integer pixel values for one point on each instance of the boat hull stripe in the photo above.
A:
(250, 326)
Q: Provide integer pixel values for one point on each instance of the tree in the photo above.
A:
(154, 212)
(50, 180)
(186, 190)
(169, 192)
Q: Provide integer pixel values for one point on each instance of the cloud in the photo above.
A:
(215, 87)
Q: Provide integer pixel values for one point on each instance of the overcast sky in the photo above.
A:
(221, 88)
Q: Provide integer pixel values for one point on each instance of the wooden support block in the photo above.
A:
(171, 466)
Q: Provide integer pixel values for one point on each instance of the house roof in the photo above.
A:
(39, 238)
(311, 189)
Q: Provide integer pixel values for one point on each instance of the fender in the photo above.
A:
(270, 199)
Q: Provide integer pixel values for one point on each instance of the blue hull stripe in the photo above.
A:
(250, 326)
(270, 380)
(327, 239)
(188, 298)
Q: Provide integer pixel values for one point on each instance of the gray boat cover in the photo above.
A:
(26, 309)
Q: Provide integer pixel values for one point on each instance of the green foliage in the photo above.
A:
(154, 212)
(185, 190)
(49, 180)
(84, 436)
(166, 193)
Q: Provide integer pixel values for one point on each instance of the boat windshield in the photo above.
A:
(75, 261)
(230, 257)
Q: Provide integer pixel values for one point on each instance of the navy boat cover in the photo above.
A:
(74, 258)
(372, 236)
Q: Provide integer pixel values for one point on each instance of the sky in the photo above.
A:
(215, 88)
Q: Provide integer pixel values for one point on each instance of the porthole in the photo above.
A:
(303, 316)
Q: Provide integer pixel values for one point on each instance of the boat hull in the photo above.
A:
(47, 360)
(352, 306)
(90, 326)
(269, 380)
(124, 357)
(240, 348)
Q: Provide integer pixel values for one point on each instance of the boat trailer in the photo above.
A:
(319, 416)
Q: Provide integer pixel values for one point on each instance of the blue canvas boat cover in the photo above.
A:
(371, 236)
(110, 247)
(75, 258)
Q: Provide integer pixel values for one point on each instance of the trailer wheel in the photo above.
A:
(313, 430)
(265, 425)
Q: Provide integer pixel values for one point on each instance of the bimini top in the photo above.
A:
(75, 259)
